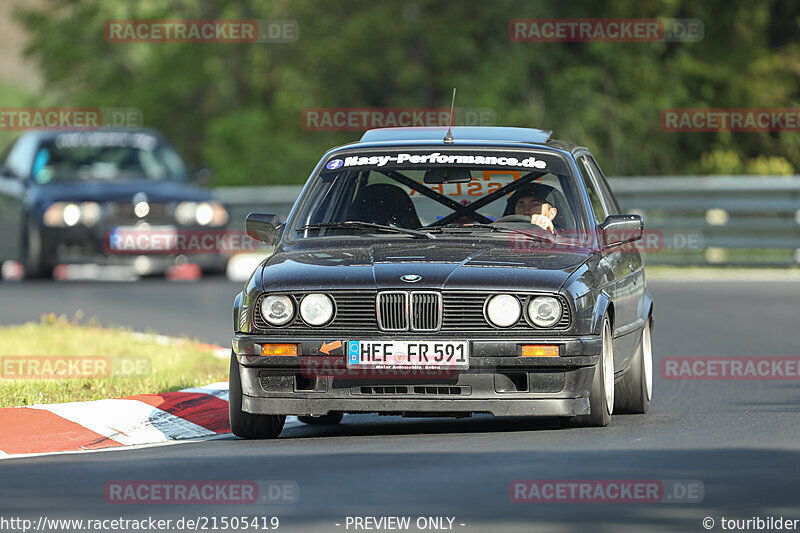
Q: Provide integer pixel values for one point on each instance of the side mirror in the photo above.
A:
(203, 176)
(262, 227)
(621, 229)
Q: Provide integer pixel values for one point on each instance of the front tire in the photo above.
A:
(636, 387)
(248, 425)
(33, 259)
(601, 398)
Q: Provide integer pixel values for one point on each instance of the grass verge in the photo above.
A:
(101, 363)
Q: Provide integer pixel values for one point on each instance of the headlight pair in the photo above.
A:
(315, 309)
(67, 214)
(203, 213)
(504, 310)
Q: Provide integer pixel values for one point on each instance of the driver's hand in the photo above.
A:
(543, 222)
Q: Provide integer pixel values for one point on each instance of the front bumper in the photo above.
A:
(498, 381)
(80, 245)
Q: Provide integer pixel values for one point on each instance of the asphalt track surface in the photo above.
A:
(740, 439)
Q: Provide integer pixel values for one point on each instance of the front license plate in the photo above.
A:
(408, 354)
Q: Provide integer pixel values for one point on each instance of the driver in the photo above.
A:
(531, 201)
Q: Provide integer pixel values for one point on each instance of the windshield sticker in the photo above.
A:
(436, 158)
(142, 141)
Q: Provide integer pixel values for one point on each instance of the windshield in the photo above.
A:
(106, 156)
(484, 195)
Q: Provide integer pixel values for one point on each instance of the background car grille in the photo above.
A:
(462, 315)
(122, 213)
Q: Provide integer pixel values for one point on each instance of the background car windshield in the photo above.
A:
(56, 162)
(387, 196)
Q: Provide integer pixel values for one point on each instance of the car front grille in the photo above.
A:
(122, 213)
(392, 311)
(426, 311)
(455, 313)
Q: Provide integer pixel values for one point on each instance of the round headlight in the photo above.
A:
(544, 311)
(503, 310)
(185, 213)
(54, 215)
(90, 213)
(204, 214)
(277, 309)
(316, 309)
(72, 214)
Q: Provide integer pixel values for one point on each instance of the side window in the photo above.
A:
(20, 156)
(600, 211)
(605, 190)
(4, 156)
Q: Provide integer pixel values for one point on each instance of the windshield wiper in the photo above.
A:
(468, 228)
(367, 225)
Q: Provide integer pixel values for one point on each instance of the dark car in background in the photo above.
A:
(63, 193)
(411, 279)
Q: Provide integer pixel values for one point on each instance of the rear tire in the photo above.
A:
(636, 387)
(248, 425)
(601, 399)
(334, 417)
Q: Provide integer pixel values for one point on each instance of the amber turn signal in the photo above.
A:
(539, 350)
(278, 349)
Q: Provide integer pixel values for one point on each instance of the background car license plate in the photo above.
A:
(423, 354)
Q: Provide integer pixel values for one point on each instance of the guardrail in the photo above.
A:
(718, 220)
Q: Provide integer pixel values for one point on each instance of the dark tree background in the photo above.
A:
(237, 107)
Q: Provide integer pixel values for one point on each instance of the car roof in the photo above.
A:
(463, 135)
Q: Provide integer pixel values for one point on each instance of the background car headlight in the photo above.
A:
(503, 310)
(316, 309)
(544, 311)
(203, 213)
(90, 213)
(72, 214)
(277, 309)
(54, 215)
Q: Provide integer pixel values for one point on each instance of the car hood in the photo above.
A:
(119, 191)
(440, 265)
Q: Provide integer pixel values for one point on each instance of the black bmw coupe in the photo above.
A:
(425, 272)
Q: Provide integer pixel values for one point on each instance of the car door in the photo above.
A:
(630, 281)
(617, 260)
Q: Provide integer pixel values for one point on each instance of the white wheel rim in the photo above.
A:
(647, 355)
(608, 366)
